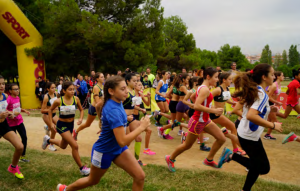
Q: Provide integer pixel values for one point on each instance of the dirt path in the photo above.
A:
(284, 159)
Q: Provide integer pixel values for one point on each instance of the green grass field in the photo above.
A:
(46, 170)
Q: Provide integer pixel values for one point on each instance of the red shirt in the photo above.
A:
(200, 115)
(292, 98)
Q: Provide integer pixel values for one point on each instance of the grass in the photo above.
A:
(46, 170)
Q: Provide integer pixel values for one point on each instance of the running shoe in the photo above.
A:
(61, 187)
(224, 130)
(47, 131)
(170, 163)
(239, 151)
(75, 135)
(179, 132)
(52, 148)
(45, 142)
(289, 138)
(157, 124)
(269, 137)
(160, 132)
(15, 171)
(224, 157)
(155, 114)
(204, 139)
(204, 148)
(168, 137)
(149, 152)
(175, 124)
(183, 137)
(23, 159)
(141, 163)
(211, 164)
(85, 171)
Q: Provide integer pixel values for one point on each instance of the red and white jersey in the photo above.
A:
(200, 115)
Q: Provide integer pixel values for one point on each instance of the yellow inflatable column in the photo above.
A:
(23, 34)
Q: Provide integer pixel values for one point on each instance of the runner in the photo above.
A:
(291, 137)
(200, 121)
(221, 96)
(112, 143)
(273, 92)
(7, 133)
(67, 105)
(250, 87)
(133, 123)
(49, 98)
(15, 121)
(97, 99)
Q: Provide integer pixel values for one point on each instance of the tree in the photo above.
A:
(178, 44)
(227, 55)
(284, 58)
(293, 56)
(266, 55)
(277, 61)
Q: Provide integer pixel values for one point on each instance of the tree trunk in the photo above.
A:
(92, 64)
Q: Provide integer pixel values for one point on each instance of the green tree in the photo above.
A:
(284, 58)
(227, 55)
(293, 56)
(178, 45)
(266, 55)
(277, 61)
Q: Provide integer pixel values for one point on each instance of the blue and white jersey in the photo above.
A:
(163, 89)
(249, 130)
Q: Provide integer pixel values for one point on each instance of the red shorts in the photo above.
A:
(292, 105)
(196, 127)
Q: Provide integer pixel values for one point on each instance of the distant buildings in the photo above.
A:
(253, 58)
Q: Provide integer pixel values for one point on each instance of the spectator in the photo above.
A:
(156, 80)
(112, 75)
(233, 72)
(183, 70)
(92, 77)
(219, 68)
(119, 73)
(200, 73)
(168, 77)
(42, 85)
(107, 76)
(83, 90)
(190, 73)
(86, 79)
(38, 93)
(61, 78)
(195, 72)
(77, 82)
(174, 74)
(59, 86)
(142, 76)
(151, 77)
(146, 83)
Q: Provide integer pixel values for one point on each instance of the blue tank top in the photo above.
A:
(163, 89)
(3, 104)
(127, 104)
(67, 111)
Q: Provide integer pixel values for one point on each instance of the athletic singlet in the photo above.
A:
(181, 93)
(278, 89)
(127, 104)
(51, 100)
(224, 95)
(163, 89)
(100, 94)
(67, 111)
(175, 91)
(200, 115)
(3, 104)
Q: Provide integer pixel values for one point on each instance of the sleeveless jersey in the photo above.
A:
(201, 116)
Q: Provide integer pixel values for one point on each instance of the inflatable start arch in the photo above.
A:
(23, 34)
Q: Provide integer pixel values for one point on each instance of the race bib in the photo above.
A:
(226, 95)
(68, 110)
(52, 100)
(96, 159)
(16, 108)
(40, 89)
(136, 101)
(3, 106)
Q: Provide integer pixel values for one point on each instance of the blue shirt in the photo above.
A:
(83, 87)
(113, 116)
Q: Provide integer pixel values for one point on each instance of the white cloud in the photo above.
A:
(248, 24)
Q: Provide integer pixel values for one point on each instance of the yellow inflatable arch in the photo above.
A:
(23, 34)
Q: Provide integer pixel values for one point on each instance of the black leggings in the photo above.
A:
(22, 132)
(257, 163)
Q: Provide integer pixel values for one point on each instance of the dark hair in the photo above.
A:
(200, 81)
(184, 68)
(48, 85)
(128, 77)
(160, 74)
(65, 86)
(11, 85)
(199, 72)
(1, 77)
(277, 74)
(111, 83)
(209, 71)
(246, 84)
(224, 76)
(192, 81)
(247, 70)
(96, 76)
(179, 78)
(195, 70)
(145, 76)
(296, 72)
(232, 63)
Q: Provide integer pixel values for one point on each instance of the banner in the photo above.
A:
(23, 34)
(153, 106)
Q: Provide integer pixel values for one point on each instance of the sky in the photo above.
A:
(250, 24)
